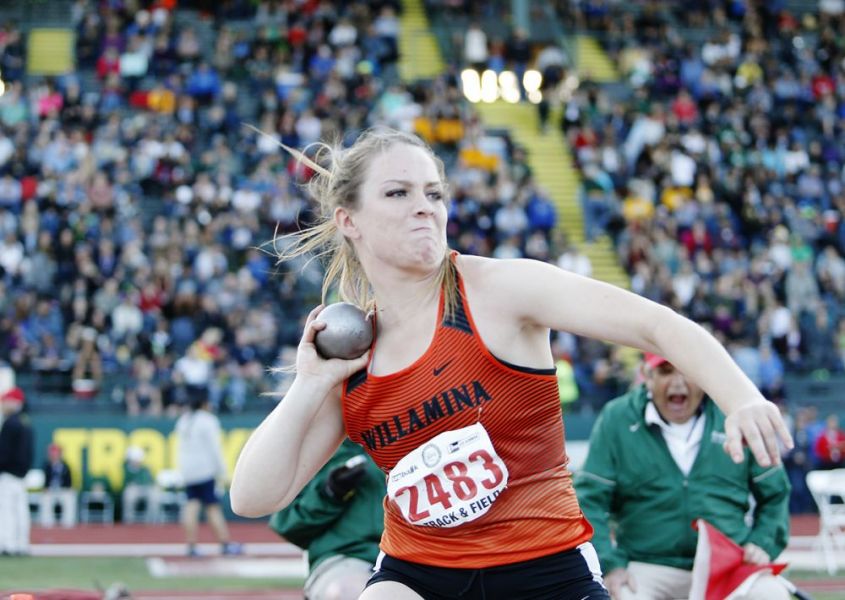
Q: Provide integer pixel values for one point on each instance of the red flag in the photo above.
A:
(719, 572)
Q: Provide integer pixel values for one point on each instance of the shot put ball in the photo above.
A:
(348, 332)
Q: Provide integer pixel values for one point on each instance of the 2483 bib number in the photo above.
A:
(463, 487)
(451, 480)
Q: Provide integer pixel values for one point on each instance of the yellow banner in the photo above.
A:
(105, 450)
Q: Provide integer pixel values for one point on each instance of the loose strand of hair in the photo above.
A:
(447, 281)
(299, 156)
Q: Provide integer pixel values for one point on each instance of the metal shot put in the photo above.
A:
(348, 332)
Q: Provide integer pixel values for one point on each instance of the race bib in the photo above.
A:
(452, 479)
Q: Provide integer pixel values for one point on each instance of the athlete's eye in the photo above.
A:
(399, 193)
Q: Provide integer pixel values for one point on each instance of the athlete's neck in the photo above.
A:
(406, 308)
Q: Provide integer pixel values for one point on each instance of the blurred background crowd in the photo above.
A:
(137, 212)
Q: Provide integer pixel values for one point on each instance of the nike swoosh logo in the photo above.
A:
(439, 370)
(633, 428)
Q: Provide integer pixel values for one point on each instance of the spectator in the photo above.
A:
(12, 56)
(204, 84)
(58, 490)
(139, 491)
(16, 452)
(192, 373)
(771, 373)
(518, 53)
(203, 469)
(829, 447)
(127, 319)
(143, 395)
(108, 63)
(338, 519)
(188, 45)
(11, 256)
(655, 465)
(87, 375)
(798, 462)
(475, 47)
(819, 336)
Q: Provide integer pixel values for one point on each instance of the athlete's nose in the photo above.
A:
(422, 205)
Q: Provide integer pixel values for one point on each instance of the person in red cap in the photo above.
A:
(15, 461)
(656, 464)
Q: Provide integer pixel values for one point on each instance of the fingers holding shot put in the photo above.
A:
(335, 342)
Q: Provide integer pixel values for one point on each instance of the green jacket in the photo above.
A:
(327, 527)
(137, 474)
(631, 484)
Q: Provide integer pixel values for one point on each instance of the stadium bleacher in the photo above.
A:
(132, 197)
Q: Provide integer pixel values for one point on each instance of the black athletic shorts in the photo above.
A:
(569, 575)
(204, 492)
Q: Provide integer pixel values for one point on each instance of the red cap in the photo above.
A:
(13, 395)
(653, 360)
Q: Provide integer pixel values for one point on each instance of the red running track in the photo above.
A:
(255, 531)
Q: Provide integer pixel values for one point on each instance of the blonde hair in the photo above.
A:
(339, 175)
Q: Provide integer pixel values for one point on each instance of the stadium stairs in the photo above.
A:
(549, 157)
(49, 40)
(591, 61)
(420, 56)
(555, 172)
(548, 153)
(50, 51)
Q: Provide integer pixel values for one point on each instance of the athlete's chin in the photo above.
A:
(430, 254)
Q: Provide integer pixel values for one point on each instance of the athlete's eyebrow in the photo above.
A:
(410, 183)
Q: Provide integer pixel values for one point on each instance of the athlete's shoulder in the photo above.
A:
(480, 270)
(469, 263)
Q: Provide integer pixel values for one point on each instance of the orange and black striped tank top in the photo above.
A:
(456, 383)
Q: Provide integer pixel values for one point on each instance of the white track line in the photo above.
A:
(226, 567)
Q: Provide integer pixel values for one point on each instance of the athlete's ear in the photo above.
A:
(345, 223)
(645, 377)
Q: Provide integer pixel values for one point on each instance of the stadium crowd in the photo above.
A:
(136, 207)
(721, 176)
(717, 170)
(722, 179)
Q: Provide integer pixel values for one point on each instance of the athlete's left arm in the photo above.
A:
(544, 295)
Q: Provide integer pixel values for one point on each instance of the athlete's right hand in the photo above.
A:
(616, 580)
(310, 364)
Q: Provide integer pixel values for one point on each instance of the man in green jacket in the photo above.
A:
(655, 464)
(338, 518)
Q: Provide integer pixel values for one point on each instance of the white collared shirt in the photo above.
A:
(683, 440)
